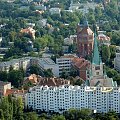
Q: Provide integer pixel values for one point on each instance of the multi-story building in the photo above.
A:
(47, 63)
(80, 66)
(69, 63)
(117, 62)
(25, 63)
(103, 39)
(4, 86)
(65, 63)
(62, 98)
(15, 64)
(55, 11)
(98, 93)
(70, 40)
(85, 40)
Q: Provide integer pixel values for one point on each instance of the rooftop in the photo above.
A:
(53, 81)
(46, 61)
(4, 83)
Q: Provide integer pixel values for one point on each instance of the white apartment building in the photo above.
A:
(44, 63)
(15, 63)
(64, 64)
(117, 62)
(62, 98)
(70, 40)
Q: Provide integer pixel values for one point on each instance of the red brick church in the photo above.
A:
(85, 40)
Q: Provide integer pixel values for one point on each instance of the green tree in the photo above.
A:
(58, 117)
(64, 74)
(20, 107)
(31, 116)
(3, 76)
(111, 73)
(16, 77)
(12, 36)
(48, 73)
(105, 54)
(34, 69)
(1, 115)
(4, 105)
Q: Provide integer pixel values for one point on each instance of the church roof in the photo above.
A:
(96, 58)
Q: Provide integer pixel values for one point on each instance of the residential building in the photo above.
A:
(29, 31)
(69, 63)
(64, 63)
(70, 40)
(33, 78)
(16, 93)
(85, 40)
(42, 23)
(3, 87)
(117, 62)
(62, 98)
(103, 39)
(25, 63)
(55, 10)
(3, 49)
(40, 7)
(80, 65)
(30, 25)
(15, 63)
(52, 81)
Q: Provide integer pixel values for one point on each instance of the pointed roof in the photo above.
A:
(96, 58)
(86, 29)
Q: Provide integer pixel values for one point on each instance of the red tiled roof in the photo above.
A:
(53, 81)
(80, 63)
(103, 37)
(86, 30)
(14, 91)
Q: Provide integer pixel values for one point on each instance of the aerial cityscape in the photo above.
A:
(59, 59)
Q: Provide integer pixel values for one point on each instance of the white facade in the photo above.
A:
(117, 62)
(15, 63)
(0, 39)
(44, 63)
(62, 98)
(42, 22)
(55, 10)
(70, 40)
(64, 64)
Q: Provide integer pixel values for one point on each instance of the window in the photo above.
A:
(97, 68)
(97, 73)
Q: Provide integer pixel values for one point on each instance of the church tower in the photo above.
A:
(85, 39)
(96, 77)
(97, 65)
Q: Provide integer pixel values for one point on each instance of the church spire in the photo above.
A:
(96, 58)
